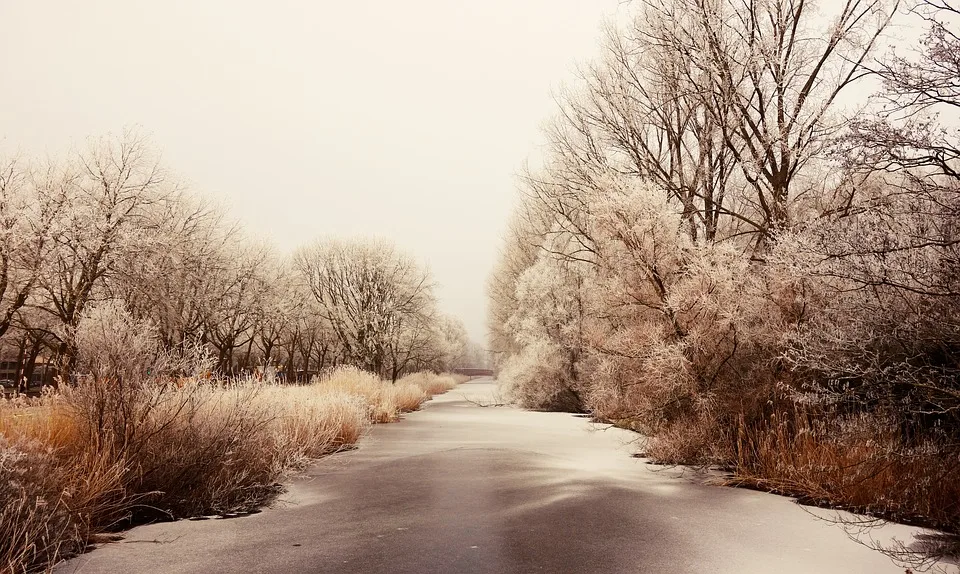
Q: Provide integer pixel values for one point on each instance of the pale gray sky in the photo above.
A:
(403, 119)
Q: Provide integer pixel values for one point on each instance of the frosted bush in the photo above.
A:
(112, 344)
(539, 378)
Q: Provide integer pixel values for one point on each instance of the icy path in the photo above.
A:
(457, 488)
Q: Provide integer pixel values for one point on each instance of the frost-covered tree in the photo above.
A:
(552, 307)
(31, 199)
(237, 293)
(166, 279)
(712, 252)
(453, 342)
(376, 299)
(727, 106)
(888, 257)
(109, 191)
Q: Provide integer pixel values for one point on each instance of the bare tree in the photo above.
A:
(782, 80)
(281, 307)
(371, 295)
(111, 187)
(725, 104)
(30, 201)
(166, 278)
(648, 112)
(236, 299)
(905, 134)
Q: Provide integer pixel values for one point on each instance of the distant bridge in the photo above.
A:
(474, 372)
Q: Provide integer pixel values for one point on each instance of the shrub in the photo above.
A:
(539, 378)
(113, 345)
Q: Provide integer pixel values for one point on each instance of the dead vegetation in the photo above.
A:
(106, 454)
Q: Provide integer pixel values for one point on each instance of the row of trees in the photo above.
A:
(714, 245)
(108, 225)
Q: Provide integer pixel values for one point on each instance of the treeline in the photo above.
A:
(108, 225)
(171, 332)
(717, 253)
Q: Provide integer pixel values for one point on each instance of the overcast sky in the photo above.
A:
(408, 119)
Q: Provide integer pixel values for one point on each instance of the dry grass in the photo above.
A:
(856, 463)
(315, 422)
(104, 455)
(407, 398)
(431, 383)
(41, 419)
(866, 463)
(35, 527)
(386, 401)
